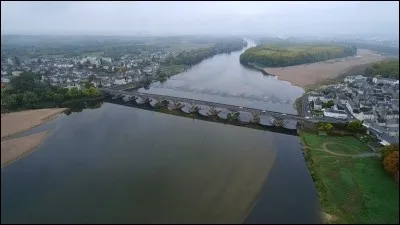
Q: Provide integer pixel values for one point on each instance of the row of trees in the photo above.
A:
(28, 92)
(280, 56)
(189, 58)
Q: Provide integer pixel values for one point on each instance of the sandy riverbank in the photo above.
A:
(307, 74)
(13, 123)
(16, 148)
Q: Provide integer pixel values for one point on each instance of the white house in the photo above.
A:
(120, 81)
(335, 114)
(5, 80)
(379, 80)
(16, 73)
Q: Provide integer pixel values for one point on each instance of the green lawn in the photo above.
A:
(352, 190)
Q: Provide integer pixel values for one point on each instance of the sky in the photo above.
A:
(209, 17)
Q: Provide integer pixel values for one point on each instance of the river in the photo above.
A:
(116, 164)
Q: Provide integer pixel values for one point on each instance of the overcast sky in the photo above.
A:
(159, 18)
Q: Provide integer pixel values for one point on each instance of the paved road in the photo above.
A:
(305, 106)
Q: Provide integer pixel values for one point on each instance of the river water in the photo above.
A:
(116, 164)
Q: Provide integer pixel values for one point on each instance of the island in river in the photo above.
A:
(306, 65)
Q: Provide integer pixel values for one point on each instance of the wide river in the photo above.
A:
(116, 164)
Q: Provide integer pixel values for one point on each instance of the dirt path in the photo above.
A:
(325, 149)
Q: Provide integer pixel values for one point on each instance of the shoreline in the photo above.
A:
(14, 149)
(8, 119)
(306, 75)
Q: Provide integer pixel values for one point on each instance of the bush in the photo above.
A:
(391, 163)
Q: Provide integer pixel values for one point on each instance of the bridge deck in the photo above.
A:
(208, 103)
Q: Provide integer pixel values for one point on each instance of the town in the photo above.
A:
(372, 100)
(72, 72)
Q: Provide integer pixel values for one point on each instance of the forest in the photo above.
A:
(291, 54)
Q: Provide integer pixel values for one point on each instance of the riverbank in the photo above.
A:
(351, 182)
(16, 148)
(17, 122)
(309, 74)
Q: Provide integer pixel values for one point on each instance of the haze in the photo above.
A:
(378, 19)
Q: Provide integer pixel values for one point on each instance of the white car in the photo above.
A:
(263, 111)
(307, 117)
(283, 114)
(240, 107)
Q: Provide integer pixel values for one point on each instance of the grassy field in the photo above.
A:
(351, 189)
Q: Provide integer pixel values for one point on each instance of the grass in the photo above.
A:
(351, 190)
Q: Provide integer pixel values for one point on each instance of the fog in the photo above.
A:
(379, 19)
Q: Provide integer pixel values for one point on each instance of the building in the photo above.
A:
(379, 80)
(317, 104)
(338, 114)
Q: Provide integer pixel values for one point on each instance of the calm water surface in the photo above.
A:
(118, 164)
(223, 79)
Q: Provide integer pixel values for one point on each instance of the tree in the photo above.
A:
(329, 104)
(17, 61)
(24, 82)
(57, 97)
(391, 163)
(88, 84)
(74, 92)
(324, 126)
(30, 99)
(387, 150)
(355, 125)
(11, 102)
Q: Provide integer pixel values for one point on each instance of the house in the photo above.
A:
(5, 80)
(16, 73)
(335, 114)
(317, 104)
(380, 80)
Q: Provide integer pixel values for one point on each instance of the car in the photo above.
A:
(308, 111)
(283, 114)
(263, 111)
(307, 117)
(240, 107)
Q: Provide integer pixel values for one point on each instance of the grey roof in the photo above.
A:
(336, 111)
(317, 101)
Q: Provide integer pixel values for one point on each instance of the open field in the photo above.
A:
(13, 123)
(307, 74)
(352, 184)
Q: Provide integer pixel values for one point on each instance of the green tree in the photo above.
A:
(355, 126)
(74, 93)
(88, 85)
(324, 126)
(24, 82)
(11, 102)
(57, 97)
(30, 99)
(329, 104)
